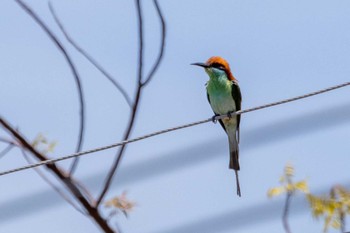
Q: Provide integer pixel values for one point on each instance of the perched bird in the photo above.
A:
(225, 97)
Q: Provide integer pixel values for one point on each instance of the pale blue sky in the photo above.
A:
(181, 181)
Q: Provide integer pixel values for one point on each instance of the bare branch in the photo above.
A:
(8, 141)
(115, 165)
(67, 180)
(54, 39)
(138, 93)
(89, 57)
(162, 45)
(140, 62)
(289, 195)
(6, 150)
(286, 211)
(342, 222)
(85, 192)
(58, 190)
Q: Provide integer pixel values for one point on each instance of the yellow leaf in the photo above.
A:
(121, 203)
(316, 204)
(289, 170)
(330, 208)
(335, 223)
(302, 186)
(51, 146)
(275, 191)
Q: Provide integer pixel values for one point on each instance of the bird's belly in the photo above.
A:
(222, 104)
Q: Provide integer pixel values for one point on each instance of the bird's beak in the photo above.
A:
(200, 64)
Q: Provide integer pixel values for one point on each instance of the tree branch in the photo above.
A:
(89, 57)
(115, 165)
(6, 150)
(67, 180)
(286, 211)
(54, 39)
(138, 93)
(47, 180)
(162, 45)
(8, 141)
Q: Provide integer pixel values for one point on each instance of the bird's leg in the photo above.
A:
(213, 118)
(230, 114)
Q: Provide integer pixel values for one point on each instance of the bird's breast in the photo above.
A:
(221, 101)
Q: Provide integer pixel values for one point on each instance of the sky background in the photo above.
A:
(180, 180)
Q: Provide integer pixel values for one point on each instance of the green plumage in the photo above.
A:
(224, 96)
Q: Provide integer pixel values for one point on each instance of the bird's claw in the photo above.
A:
(230, 114)
(213, 119)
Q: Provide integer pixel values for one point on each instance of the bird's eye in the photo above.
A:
(218, 66)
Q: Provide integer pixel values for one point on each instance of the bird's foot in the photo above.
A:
(213, 119)
(230, 114)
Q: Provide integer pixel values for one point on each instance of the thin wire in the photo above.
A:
(290, 100)
(50, 161)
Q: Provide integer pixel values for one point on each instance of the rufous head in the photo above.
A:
(217, 62)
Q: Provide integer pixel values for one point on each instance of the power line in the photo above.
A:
(74, 155)
(188, 157)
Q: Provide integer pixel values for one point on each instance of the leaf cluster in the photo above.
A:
(287, 184)
(120, 203)
(42, 144)
(332, 207)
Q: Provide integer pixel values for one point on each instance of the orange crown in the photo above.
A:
(220, 62)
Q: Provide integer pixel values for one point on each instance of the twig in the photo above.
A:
(162, 45)
(68, 181)
(58, 190)
(138, 93)
(286, 211)
(89, 57)
(54, 39)
(342, 222)
(114, 167)
(6, 150)
(86, 192)
(8, 141)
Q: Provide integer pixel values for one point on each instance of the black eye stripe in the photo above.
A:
(218, 66)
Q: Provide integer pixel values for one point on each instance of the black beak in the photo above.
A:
(200, 64)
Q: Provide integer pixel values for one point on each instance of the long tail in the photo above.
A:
(237, 183)
(234, 155)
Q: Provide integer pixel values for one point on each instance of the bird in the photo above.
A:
(224, 96)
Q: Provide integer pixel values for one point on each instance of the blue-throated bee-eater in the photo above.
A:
(225, 97)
